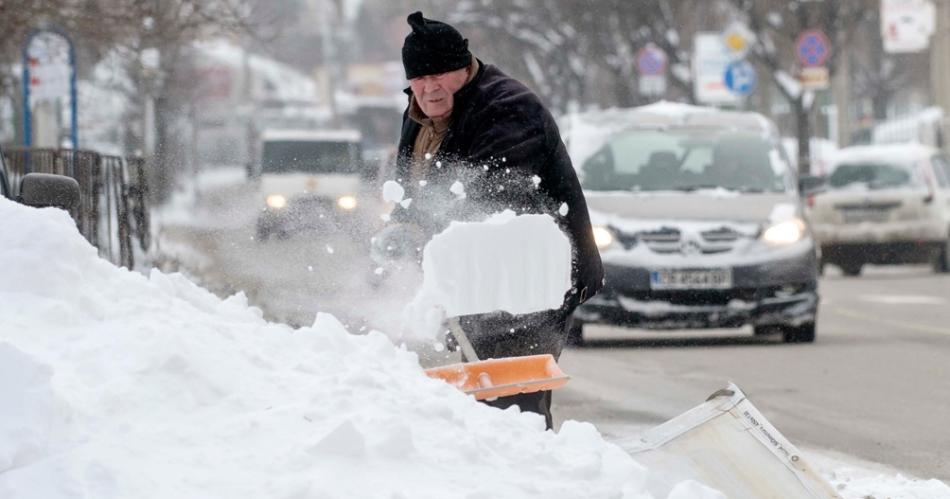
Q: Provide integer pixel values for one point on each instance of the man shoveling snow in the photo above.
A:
(476, 142)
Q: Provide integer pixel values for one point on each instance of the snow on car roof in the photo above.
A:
(342, 135)
(890, 153)
(584, 133)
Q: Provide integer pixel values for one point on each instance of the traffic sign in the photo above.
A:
(736, 38)
(814, 78)
(709, 62)
(651, 60)
(740, 77)
(812, 48)
(652, 85)
(907, 25)
(49, 65)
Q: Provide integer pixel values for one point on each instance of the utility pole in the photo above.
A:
(841, 87)
(940, 58)
(331, 15)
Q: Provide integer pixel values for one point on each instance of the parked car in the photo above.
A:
(39, 190)
(311, 180)
(699, 220)
(885, 205)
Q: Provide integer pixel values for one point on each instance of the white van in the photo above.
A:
(309, 179)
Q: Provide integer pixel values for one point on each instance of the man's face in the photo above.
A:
(435, 93)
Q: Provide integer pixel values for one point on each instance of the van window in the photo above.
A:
(309, 157)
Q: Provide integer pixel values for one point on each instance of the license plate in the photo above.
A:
(858, 216)
(691, 279)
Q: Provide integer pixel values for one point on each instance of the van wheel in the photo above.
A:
(575, 333)
(942, 262)
(799, 334)
(851, 269)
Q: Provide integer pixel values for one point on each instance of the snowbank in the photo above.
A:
(127, 386)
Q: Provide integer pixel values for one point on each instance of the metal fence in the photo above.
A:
(113, 212)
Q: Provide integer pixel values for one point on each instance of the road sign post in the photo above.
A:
(652, 65)
(49, 73)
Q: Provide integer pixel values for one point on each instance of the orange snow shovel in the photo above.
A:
(488, 379)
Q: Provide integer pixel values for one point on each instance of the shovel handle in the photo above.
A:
(462, 340)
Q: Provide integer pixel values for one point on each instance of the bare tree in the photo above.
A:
(777, 25)
(578, 52)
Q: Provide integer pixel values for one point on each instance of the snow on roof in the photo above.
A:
(891, 153)
(584, 133)
(116, 384)
(341, 135)
(282, 81)
(907, 128)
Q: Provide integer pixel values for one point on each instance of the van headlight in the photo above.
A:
(346, 202)
(603, 237)
(276, 201)
(787, 232)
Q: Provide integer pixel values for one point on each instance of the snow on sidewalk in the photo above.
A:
(118, 385)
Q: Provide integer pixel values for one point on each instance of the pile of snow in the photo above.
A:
(114, 384)
(923, 127)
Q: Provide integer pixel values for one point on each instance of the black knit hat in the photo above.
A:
(432, 48)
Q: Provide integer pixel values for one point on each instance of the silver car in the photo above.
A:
(699, 220)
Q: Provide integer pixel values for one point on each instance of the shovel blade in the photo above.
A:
(487, 379)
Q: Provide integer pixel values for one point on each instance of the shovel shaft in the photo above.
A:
(462, 340)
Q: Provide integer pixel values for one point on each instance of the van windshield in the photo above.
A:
(685, 160)
(309, 157)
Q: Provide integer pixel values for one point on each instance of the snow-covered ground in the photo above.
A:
(127, 385)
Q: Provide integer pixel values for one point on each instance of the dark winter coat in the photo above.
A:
(505, 148)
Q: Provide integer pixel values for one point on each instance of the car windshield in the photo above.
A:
(874, 175)
(659, 160)
(309, 157)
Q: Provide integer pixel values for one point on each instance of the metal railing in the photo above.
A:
(112, 211)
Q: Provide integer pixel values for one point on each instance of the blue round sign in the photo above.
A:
(651, 61)
(740, 78)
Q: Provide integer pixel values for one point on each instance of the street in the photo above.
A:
(874, 385)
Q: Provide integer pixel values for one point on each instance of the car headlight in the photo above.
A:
(276, 201)
(787, 232)
(346, 202)
(603, 237)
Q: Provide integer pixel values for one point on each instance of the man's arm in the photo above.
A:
(515, 145)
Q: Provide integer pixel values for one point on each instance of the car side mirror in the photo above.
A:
(42, 190)
(809, 185)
